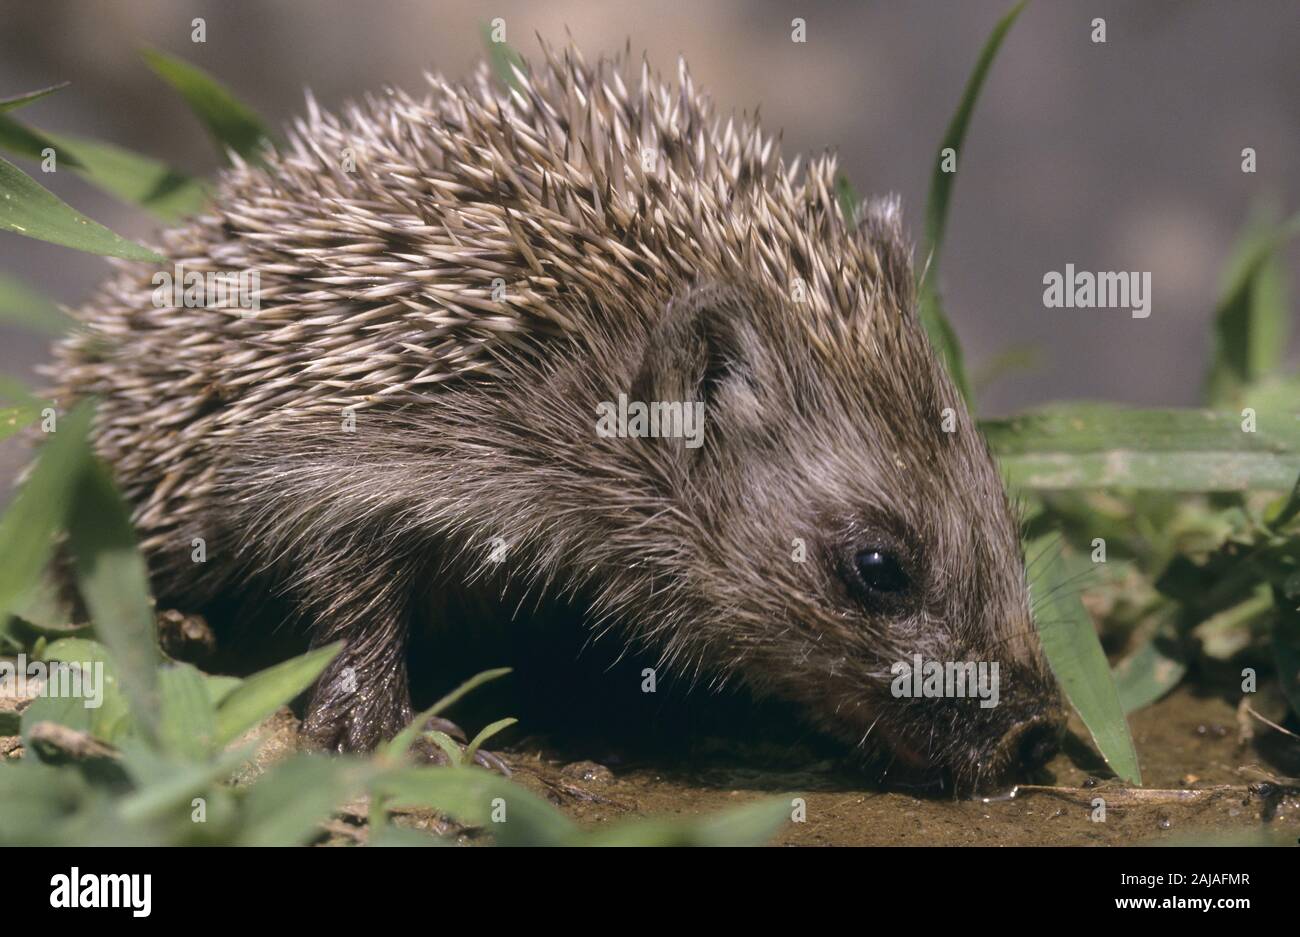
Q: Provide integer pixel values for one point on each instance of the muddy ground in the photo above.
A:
(1203, 783)
(1199, 782)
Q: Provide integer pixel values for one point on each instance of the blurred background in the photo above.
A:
(1118, 156)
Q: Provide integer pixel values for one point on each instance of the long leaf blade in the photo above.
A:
(266, 691)
(22, 100)
(1075, 655)
(1074, 446)
(130, 177)
(114, 583)
(40, 509)
(32, 211)
(937, 204)
(231, 123)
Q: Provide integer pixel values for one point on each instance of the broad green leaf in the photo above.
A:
(231, 124)
(30, 210)
(20, 305)
(287, 805)
(937, 204)
(1251, 320)
(46, 613)
(1075, 654)
(219, 686)
(22, 100)
(260, 695)
(101, 709)
(114, 583)
(39, 803)
(1155, 668)
(1107, 446)
(39, 510)
(401, 743)
(166, 785)
(188, 726)
(141, 180)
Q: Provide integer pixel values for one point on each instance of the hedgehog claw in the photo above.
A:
(429, 752)
(448, 727)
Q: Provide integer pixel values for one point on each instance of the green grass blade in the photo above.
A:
(1252, 319)
(502, 58)
(847, 198)
(1074, 652)
(1285, 510)
(22, 100)
(937, 204)
(30, 210)
(114, 583)
(231, 124)
(486, 733)
(22, 140)
(263, 693)
(1107, 446)
(448, 745)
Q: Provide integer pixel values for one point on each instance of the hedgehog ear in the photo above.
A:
(696, 347)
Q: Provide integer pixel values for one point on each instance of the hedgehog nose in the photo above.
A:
(1033, 742)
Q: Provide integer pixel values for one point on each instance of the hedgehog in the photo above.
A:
(453, 291)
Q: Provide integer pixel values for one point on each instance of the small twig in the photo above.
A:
(56, 740)
(1271, 724)
(1130, 796)
(1259, 773)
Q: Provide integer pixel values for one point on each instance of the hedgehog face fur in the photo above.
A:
(451, 288)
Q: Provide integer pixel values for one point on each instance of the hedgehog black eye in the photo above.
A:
(881, 572)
